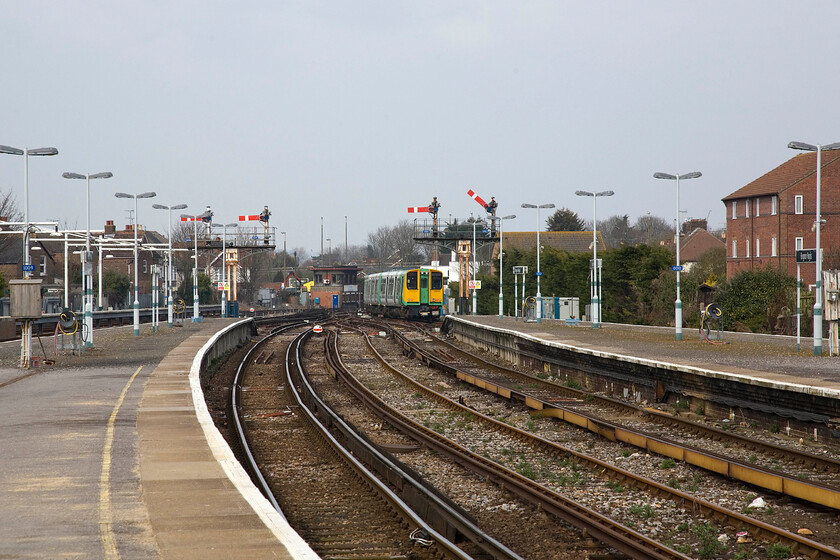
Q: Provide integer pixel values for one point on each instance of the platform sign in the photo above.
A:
(520, 270)
(475, 284)
(806, 256)
(222, 286)
(677, 268)
(538, 273)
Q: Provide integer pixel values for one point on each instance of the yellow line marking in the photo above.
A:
(106, 532)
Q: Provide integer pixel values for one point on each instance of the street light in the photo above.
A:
(169, 313)
(595, 281)
(284, 256)
(88, 262)
(818, 314)
(224, 262)
(195, 220)
(678, 303)
(26, 152)
(538, 273)
(149, 194)
(329, 251)
(501, 261)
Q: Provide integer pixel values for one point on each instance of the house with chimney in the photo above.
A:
(772, 217)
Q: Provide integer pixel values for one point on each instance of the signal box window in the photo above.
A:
(411, 280)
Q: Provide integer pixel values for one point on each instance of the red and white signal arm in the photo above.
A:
(249, 218)
(417, 209)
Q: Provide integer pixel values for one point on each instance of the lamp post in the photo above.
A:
(224, 262)
(329, 251)
(595, 283)
(501, 261)
(677, 268)
(136, 305)
(818, 312)
(284, 255)
(88, 262)
(169, 313)
(538, 273)
(26, 152)
(195, 220)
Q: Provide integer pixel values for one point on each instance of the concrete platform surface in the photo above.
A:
(121, 461)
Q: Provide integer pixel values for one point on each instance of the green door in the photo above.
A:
(424, 287)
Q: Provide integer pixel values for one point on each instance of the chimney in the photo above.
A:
(110, 228)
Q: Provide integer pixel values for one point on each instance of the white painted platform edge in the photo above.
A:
(288, 537)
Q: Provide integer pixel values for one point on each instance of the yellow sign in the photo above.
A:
(475, 284)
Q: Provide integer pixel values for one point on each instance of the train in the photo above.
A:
(414, 293)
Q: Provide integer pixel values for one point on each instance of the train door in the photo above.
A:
(424, 286)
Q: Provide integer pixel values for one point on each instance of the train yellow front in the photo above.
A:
(415, 293)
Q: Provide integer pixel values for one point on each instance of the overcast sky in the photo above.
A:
(365, 108)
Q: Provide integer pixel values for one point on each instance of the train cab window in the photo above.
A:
(411, 280)
(437, 280)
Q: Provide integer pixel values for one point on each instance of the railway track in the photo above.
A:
(322, 488)
(784, 469)
(756, 529)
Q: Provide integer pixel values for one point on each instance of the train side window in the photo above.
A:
(411, 280)
(437, 280)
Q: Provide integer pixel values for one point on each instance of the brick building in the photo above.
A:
(771, 218)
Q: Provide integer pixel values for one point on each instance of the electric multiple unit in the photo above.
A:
(416, 293)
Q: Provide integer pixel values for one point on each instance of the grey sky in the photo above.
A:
(366, 108)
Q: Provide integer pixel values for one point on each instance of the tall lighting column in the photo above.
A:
(169, 312)
(195, 220)
(595, 283)
(88, 260)
(539, 272)
(26, 152)
(678, 302)
(501, 262)
(136, 304)
(818, 311)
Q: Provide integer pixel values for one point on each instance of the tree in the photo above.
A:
(617, 231)
(564, 220)
(651, 229)
(115, 287)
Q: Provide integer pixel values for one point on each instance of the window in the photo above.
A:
(747, 209)
(747, 244)
(145, 267)
(773, 250)
(734, 249)
(798, 244)
(734, 209)
(411, 280)
(42, 269)
(797, 204)
(757, 248)
(774, 204)
(757, 201)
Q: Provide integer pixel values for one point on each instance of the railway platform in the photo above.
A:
(115, 456)
(764, 374)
